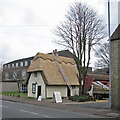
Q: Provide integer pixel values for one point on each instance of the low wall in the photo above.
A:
(8, 87)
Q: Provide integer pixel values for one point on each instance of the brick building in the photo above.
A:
(13, 71)
(96, 77)
(115, 69)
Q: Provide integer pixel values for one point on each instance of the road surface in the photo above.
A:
(95, 105)
(20, 110)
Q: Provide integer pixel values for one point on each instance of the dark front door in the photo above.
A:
(39, 91)
(68, 91)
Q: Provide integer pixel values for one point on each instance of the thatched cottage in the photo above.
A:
(44, 76)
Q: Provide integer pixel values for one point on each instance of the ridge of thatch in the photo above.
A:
(46, 64)
(60, 59)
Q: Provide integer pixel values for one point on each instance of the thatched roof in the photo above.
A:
(47, 65)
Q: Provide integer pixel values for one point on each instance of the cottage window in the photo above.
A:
(35, 74)
(21, 64)
(34, 88)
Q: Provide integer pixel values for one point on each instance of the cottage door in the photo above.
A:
(68, 92)
(39, 91)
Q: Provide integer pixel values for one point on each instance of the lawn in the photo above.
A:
(14, 94)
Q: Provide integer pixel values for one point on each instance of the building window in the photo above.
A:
(35, 74)
(5, 66)
(14, 75)
(21, 64)
(23, 74)
(8, 65)
(31, 61)
(24, 88)
(6, 76)
(34, 88)
(26, 63)
(16, 64)
(13, 65)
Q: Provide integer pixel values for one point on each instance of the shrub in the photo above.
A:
(70, 97)
(81, 98)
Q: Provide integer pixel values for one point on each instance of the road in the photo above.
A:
(95, 105)
(20, 110)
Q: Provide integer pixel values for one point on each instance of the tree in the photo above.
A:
(19, 81)
(102, 53)
(80, 32)
(1, 69)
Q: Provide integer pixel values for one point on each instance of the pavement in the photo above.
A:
(64, 106)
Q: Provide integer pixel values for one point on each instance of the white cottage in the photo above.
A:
(44, 77)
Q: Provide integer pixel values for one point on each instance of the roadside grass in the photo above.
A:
(14, 94)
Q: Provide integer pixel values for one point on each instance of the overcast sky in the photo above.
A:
(26, 25)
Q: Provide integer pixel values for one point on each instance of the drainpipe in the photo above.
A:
(109, 54)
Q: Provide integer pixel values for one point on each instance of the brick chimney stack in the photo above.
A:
(55, 52)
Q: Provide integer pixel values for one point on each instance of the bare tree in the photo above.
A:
(1, 69)
(80, 32)
(102, 53)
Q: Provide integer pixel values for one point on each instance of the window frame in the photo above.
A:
(16, 64)
(13, 65)
(8, 65)
(33, 88)
(21, 64)
(26, 63)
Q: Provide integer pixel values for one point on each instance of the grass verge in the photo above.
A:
(14, 94)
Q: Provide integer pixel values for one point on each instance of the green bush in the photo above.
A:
(14, 94)
(32, 98)
(81, 98)
(70, 97)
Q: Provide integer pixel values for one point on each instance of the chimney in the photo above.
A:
(55, 52)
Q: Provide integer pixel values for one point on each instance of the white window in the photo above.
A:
(5, 66)
(8, 65)
(21, 64)
(26, 63)
(13, 65)
(34, 88)
(23, 74)
(16, 64)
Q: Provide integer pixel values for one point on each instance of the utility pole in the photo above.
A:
(109, 54)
